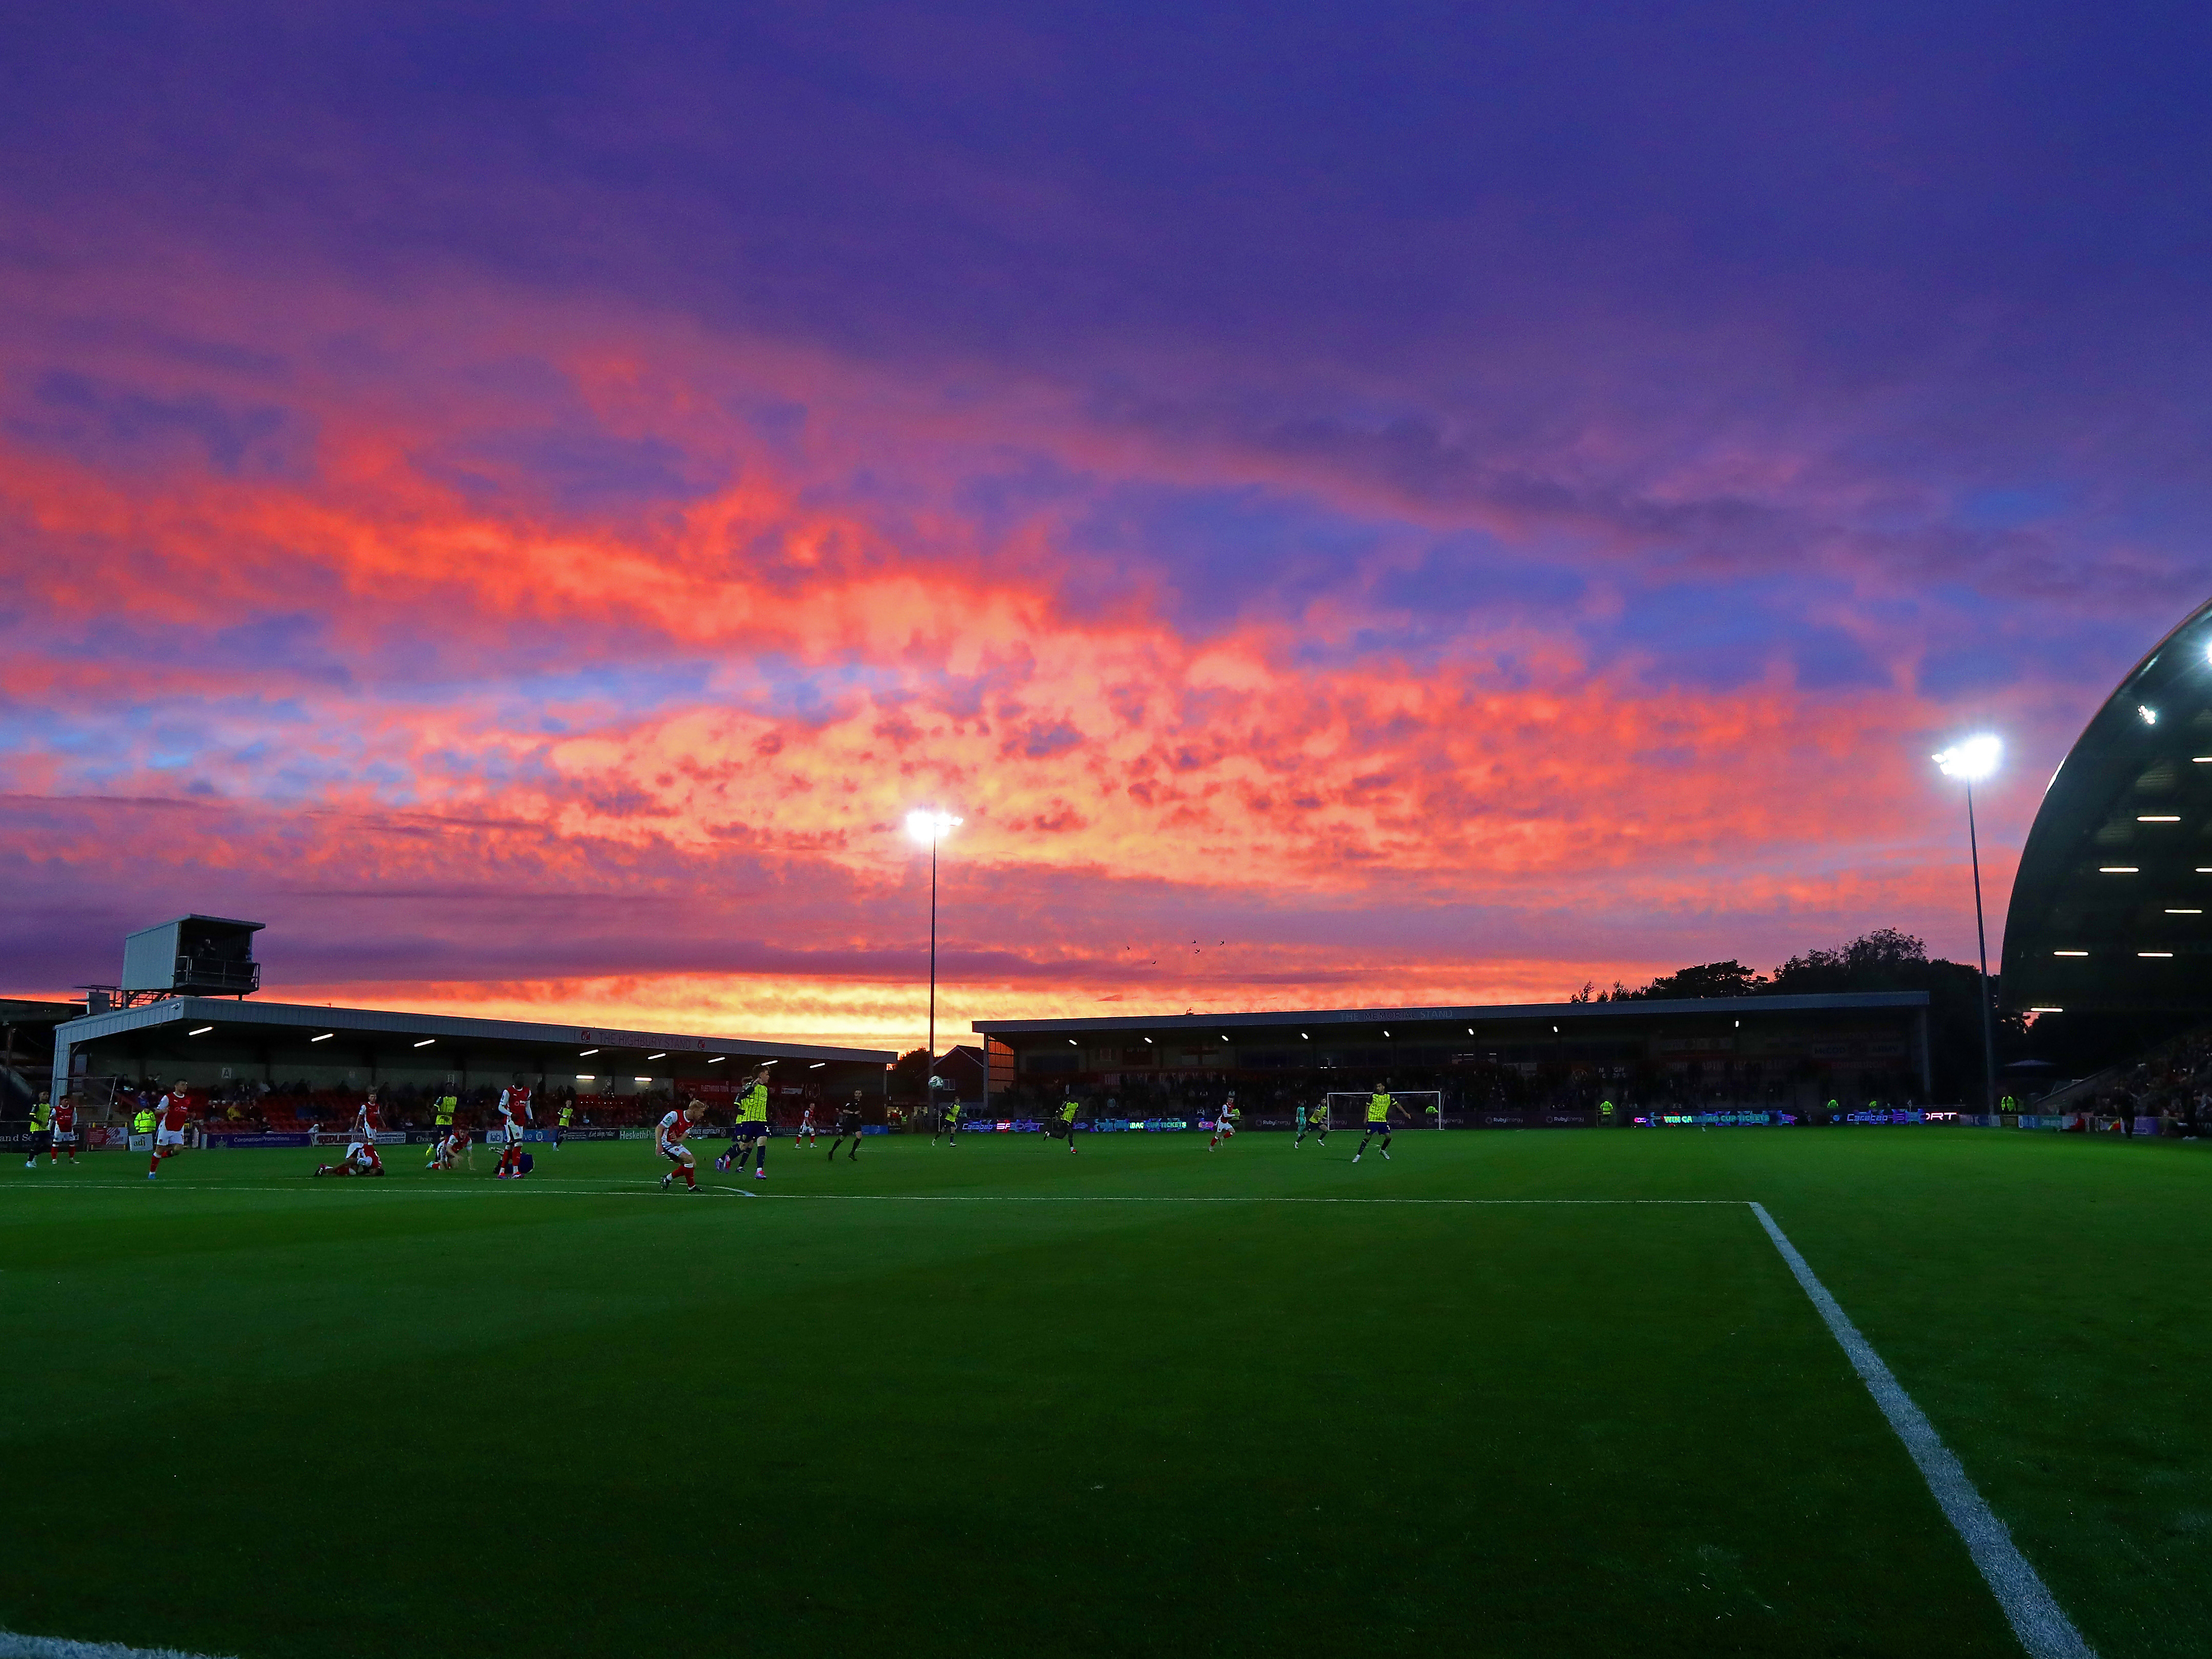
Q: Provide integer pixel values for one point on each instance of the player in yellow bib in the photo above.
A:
(1068, 1109)
(1313, 1121)
(1379, 1108)
(750, 1130)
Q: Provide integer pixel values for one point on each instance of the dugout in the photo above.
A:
(1519, 1065)
(248, 1050)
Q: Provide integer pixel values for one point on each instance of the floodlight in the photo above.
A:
(929, 828)
(1973, 759)
(325, 1037)
(2150, 715)
(202, 1031)
(586, 1054)
(663, 1055)
(426, 1042)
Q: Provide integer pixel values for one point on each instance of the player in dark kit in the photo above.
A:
(1315, 1124)
(750, 1132)
(849, 1123)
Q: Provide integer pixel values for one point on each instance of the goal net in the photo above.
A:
(1409, 1109)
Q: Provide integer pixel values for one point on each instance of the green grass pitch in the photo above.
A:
(250, 1412)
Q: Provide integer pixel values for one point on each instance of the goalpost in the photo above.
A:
(1417, 1108)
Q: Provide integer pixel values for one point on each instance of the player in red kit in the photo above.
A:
(668, 1141)
(64, 1138)
(172, 1112)
(514, 1116)
(361, 1158)
(442, 1155)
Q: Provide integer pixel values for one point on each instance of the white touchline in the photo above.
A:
(2037, 1619)
(54, 1647)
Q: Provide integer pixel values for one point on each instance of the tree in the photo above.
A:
(1712, 978)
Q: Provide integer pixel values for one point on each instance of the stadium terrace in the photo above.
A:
(1499, 1066)
(293, 1052)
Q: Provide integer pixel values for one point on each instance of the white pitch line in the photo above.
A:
(2034, 1613)
(13, 1646)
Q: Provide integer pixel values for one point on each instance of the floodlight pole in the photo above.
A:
(929, 1053)
(1982, 944)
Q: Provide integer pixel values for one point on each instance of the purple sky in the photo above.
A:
(1350, 504)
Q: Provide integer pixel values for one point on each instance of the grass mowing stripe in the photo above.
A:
(2035, 1615)
(13, 1646)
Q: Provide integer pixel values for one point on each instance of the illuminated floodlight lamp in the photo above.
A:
(1073, 1043)
(325, 1037)
(928, 828)
(817, 1065)
(2158, 817)
(717, 1060)
(202, 1031)
(2046, 1010)
(1971, 759)
(2184, 913)
(2150, 715)
(2119, 870)
(1148, 1040)
(663, 1055)
(2154, 953)
(426, 1042)
(586, 1054)
(2069, 953)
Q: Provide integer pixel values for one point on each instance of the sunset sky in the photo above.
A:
(1352, 505)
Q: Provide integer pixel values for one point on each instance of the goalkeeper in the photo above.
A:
(1313, 1121)
(1379, 1108)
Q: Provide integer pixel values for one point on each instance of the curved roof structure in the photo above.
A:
(2113, 907)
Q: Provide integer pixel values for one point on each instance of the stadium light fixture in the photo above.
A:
(640, 1079)
(2150, 715)
(1971, 761)
(817, 1065)
(2046, 1010)
(930, 827)
(586, 1054)
(2154, 953)
(2184, 913)
(663, 1055)
(2158, 817)
(202, 1031)
(325, 1037)
(717, 1060)
(1148, 1040)
(1073, 1043)
(2118, 870)
(2069, 953)
(426, 1042)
